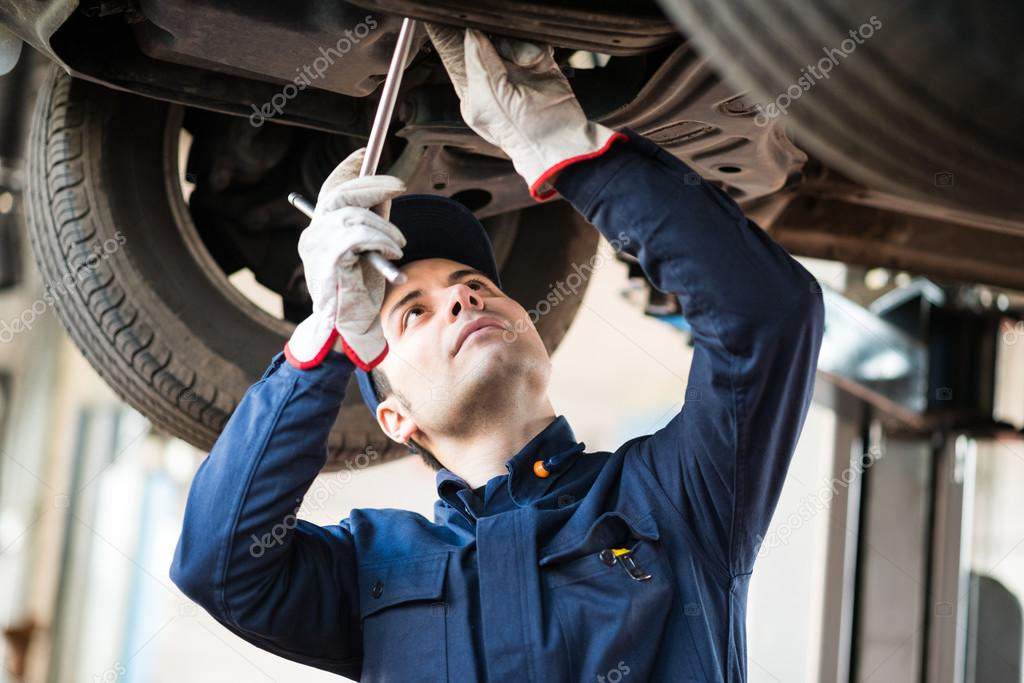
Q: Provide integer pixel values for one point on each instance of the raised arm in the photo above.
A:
(757, 318)
(285, 585)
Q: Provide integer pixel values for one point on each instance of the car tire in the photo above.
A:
(927, 105)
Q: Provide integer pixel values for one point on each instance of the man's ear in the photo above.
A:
(391, 417)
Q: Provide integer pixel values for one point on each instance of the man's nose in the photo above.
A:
(461, 298)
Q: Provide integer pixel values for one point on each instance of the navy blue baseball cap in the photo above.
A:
(436, 227)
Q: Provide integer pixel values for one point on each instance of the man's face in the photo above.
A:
(459, 350)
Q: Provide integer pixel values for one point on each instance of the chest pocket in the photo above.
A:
(611, 592)
(403, 614)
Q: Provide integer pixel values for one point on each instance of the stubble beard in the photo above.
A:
(490, 390)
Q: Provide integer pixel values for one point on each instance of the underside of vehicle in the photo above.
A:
(179, 127)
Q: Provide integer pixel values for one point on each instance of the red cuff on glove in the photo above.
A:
(365, 367)
(535, 189)
(315, 360)
(322, 353)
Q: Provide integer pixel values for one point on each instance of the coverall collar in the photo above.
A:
(555, 446)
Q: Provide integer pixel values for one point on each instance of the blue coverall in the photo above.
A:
(516, 581)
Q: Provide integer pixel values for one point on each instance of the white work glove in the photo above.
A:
(514, 96)
(347, 291)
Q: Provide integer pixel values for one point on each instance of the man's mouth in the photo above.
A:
(475, 326)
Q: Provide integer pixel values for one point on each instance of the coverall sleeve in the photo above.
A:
(283, 584)
(757, 320)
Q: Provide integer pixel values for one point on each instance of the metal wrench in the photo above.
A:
(378, 132)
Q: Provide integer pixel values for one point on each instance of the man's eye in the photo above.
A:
(480, 284)
(411, 311)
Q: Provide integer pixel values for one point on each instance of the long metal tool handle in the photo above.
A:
(388, 97)
(375, 144)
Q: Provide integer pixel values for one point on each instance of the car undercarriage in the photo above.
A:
(221, 109)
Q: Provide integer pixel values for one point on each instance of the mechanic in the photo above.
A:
(544, 562)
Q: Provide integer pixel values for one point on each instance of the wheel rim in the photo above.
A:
(190, 234)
